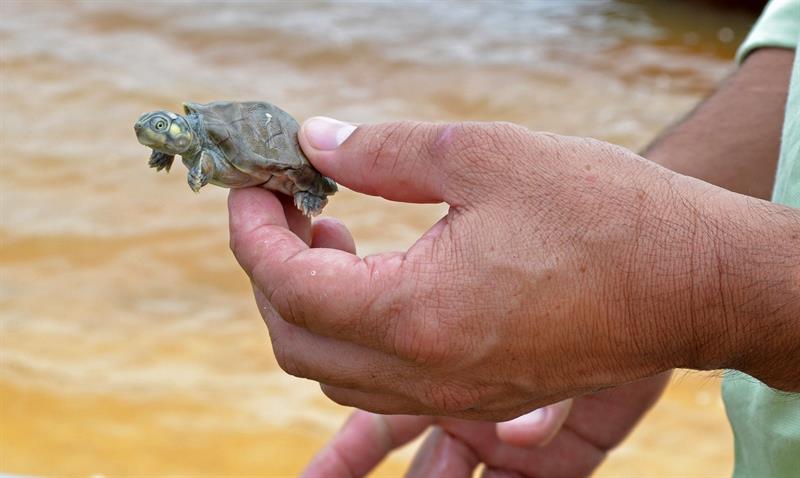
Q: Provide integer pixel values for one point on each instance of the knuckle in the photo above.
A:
(337, 395)
(287, 362)
(445, 320)
(458, 140)
(413, 329)
(389, 304)
(243, 246)
(474, 140)
(392, 311)
(420, 341)
(286, 302)
(480, 154)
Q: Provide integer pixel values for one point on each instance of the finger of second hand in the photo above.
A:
(363, 442)
(443, 455)
(567, 451)
(535, 428)
(500, 473)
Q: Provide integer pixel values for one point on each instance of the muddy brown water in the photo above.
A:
(130, 342)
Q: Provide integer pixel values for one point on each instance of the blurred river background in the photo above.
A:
(130, 343)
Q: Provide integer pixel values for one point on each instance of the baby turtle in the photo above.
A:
(236, 145)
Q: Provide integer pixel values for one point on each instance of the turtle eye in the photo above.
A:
(160, 124)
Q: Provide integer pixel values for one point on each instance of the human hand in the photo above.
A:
(527, 446)
(520, 447)
(367, 438)
(563, 266)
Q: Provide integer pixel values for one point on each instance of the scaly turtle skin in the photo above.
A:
(236, 145)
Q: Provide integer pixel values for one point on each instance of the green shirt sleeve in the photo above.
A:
(778, 27)
(765, 422)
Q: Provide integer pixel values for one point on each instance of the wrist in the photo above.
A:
(712, 281)
(751, 290)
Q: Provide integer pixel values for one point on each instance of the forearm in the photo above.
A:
(732, 139)
(750, 300)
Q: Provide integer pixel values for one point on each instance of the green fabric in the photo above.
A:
(787, 182)
(778, 27)
(765, 422)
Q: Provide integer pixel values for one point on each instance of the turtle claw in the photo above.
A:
(309, 204)
(200, 174)
(161, 160)
(197, 179)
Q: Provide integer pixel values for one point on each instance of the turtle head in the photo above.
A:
(165, 132)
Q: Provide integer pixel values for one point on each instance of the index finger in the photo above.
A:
(363, 442)
(326, 291)
(256, 212)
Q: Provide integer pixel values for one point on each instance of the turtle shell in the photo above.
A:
(239, 129)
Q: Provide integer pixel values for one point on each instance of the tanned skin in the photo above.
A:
(730, 140)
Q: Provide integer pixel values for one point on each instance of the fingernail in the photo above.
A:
(326, 134)
(531, 419)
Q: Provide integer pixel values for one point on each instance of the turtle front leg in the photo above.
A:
(201, 172)
(161, 160)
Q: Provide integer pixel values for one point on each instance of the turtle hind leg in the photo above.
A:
(328, 185)
(309, 204)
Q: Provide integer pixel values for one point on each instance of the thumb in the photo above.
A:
(536, 428)
(403, 161)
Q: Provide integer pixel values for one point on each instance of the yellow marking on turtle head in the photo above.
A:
(174, 130)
